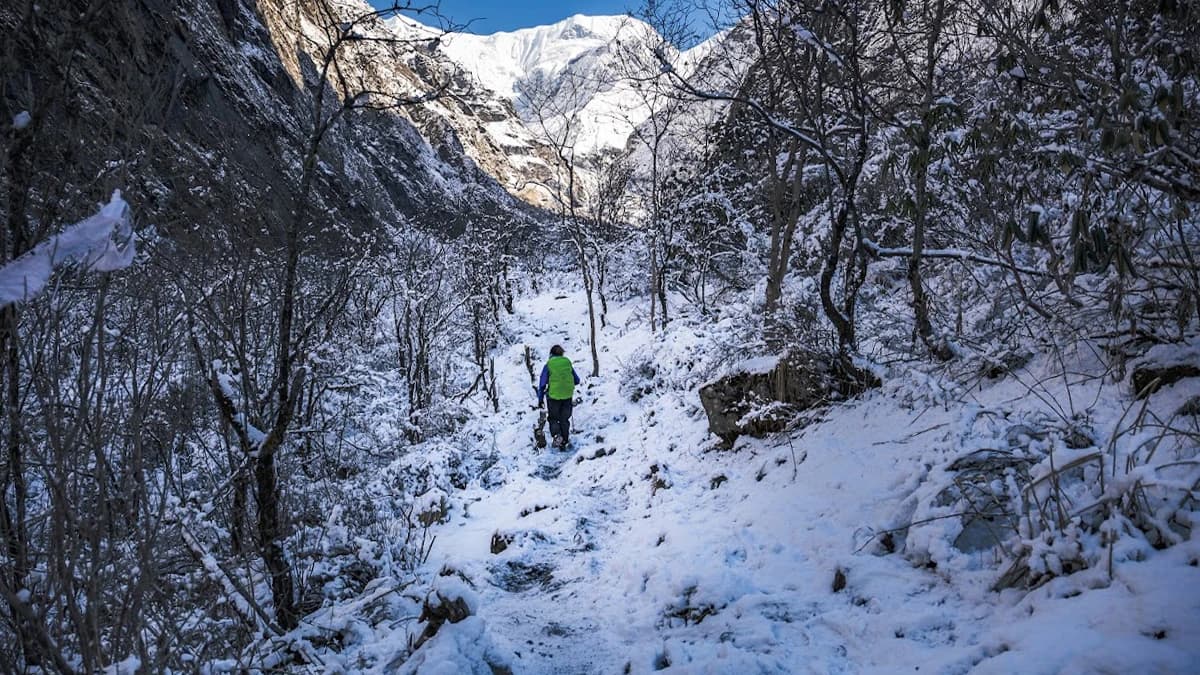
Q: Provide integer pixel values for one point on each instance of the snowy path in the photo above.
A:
(540, 597)
(644, 549)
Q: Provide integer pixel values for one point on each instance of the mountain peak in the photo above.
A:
(576, 25)
(607, 26)
(501, 60)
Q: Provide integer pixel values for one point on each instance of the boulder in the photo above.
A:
(763, 395)
(500, 542)
(988, 517)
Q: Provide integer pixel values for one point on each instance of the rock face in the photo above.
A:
(474, 134)
(210, 103)
(764, 395)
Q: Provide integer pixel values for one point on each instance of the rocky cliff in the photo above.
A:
(201, 111)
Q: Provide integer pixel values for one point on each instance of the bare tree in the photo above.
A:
(807, 80)
(1070, 143)
(702, 197)
(556, 106)
(923, 43)
(54, 369)
(607, 206)
(425, 305)
(662, 109)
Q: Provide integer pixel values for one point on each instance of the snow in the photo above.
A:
(103, 242)
(129, 666)
(645, 548)
(458, 649)
(21, 120)
(578, 47)
(1187, 352)
(758, 365)
(450, 587)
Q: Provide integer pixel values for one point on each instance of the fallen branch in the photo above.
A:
(949, 253)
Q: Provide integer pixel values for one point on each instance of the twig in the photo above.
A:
(917, 522)
(912, 435)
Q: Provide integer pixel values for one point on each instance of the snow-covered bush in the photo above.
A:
(640, 375)
(1050, 495)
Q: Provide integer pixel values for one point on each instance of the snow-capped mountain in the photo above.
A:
(512, 97)
(575, 67)
(503, 61)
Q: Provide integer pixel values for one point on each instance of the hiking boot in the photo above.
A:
(558, 442)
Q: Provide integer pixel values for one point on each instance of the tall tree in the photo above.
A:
(556, 106)
(925, 51)
(808, 80)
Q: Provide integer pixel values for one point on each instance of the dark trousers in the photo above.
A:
(559, 414)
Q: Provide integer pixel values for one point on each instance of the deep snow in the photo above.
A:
(648, 548)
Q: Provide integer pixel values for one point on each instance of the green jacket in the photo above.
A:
(558, 379)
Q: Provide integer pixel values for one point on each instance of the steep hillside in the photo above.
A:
(228, 145)
(466, 126)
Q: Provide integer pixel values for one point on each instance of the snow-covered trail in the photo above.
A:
(540, 596)
(646, 549)
(621, 558)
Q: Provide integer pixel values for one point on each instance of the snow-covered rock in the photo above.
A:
(763, 395)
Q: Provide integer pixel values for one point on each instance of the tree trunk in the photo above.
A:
(653, 283)
(13, 522)
(924, 327)
(662, 296)
(508, 287)
(588, 291)
(14, 241)
(269, 532)
(785, 216)
(843, 324)
(237, 528)
(920, 301)
(601, 272)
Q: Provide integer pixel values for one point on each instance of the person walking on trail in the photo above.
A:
(557, 387)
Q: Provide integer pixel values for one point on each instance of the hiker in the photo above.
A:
(557, 387)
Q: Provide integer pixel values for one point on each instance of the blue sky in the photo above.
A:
(491, 16)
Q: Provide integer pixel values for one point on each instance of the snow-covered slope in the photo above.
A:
(647, 548)
(575, 58)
